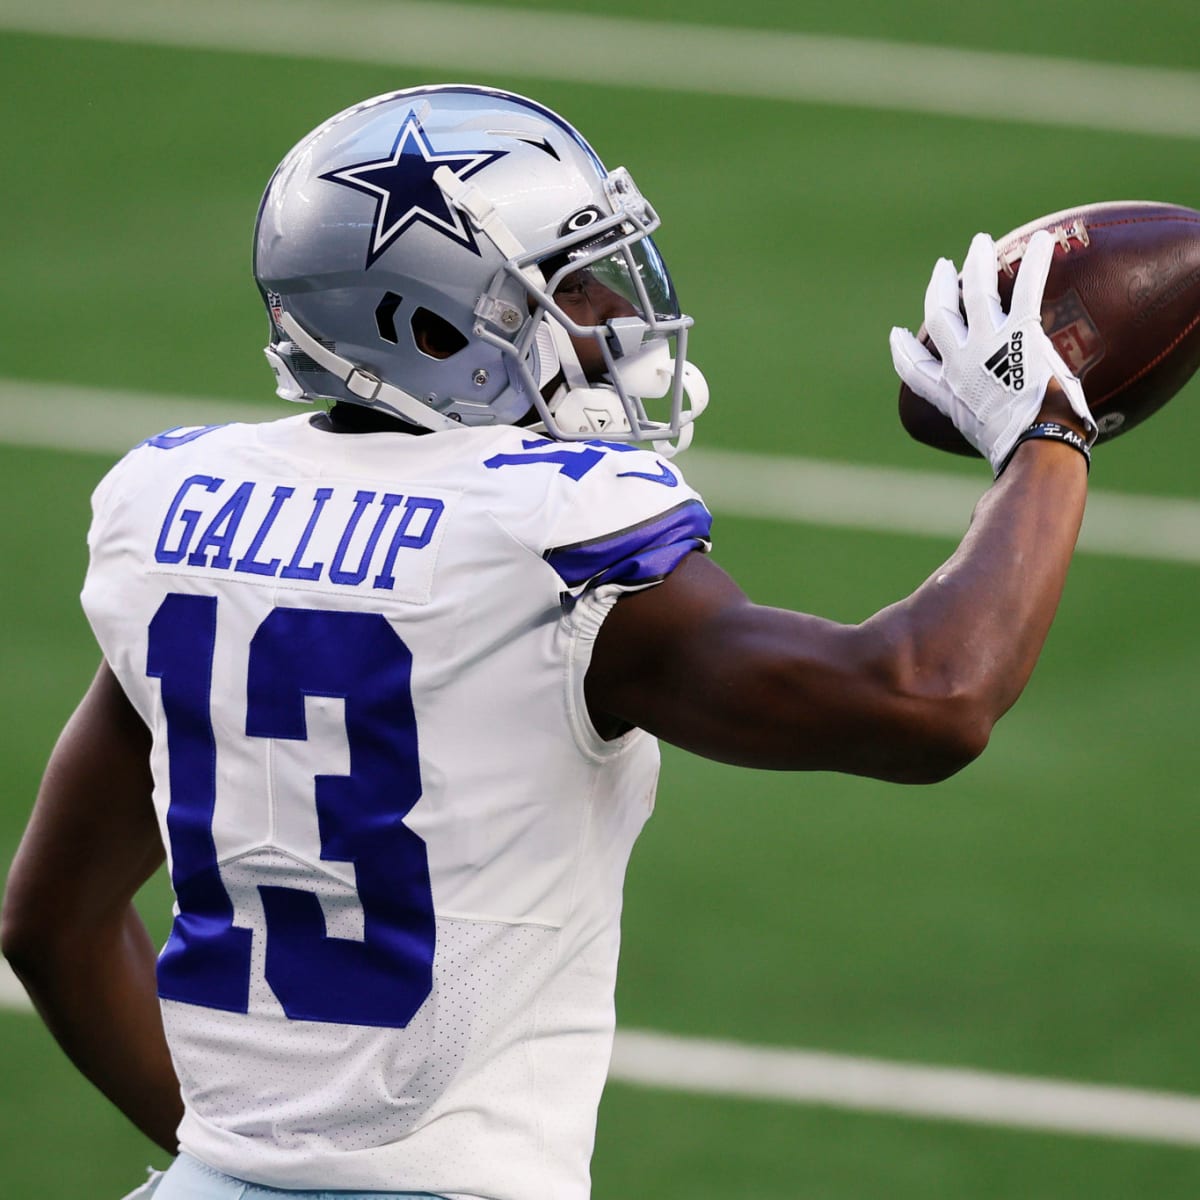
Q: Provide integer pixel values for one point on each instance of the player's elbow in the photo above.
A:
(39, 956)
(18, 941)
(27, 934)
(939, 694)
(946, 735)
(939, 719)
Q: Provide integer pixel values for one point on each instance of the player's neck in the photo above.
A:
(356, 418)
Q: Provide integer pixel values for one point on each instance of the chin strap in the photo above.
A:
(597, 411)
(370, 389)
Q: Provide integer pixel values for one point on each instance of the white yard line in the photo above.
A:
(809, 491)
(872, 1085)
(700, 1066)
(12, 994)
(486, 42)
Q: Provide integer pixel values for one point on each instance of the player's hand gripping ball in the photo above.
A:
(1121, 305)
(993, 365)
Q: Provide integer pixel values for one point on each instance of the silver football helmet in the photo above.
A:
(457, 255)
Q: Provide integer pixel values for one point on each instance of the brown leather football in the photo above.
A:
(1121, 304)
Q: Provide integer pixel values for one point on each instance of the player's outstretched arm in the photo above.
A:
(69, 927)
(909, 695)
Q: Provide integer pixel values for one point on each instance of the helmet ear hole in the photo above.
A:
(434, 335)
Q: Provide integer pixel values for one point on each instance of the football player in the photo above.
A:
(384, 683)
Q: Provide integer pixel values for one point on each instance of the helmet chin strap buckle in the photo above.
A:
(597, 411)
(363, 384)
(590, 410)
(370, 389)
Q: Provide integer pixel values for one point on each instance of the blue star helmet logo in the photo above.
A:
(404, 190)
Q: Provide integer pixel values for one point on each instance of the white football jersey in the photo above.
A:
(397, 843)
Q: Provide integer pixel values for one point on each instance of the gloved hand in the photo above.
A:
(995, 367)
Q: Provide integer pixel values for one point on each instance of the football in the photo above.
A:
(1121, 305)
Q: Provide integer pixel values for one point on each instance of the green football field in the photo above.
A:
(1038, 915)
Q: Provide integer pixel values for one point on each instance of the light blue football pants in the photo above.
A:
(189, 1179)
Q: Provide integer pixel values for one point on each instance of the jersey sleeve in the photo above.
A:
(631, 521)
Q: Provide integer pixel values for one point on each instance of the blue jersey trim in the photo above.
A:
(634, 557)
(178, 435)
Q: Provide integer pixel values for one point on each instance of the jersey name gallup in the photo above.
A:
(348, 535)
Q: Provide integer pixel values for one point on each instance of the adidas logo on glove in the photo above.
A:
(1008, 363)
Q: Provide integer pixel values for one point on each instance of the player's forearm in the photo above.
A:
(973, 631)
(97, 995)
(912, 694)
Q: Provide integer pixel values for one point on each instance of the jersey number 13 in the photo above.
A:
(296, 652)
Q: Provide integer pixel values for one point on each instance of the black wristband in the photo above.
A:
(1054, 432)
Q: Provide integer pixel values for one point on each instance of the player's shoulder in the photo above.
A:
(144, 456)
(578, 474)
(596, 512)
(574, 491)
(178, 445)
(170, 454)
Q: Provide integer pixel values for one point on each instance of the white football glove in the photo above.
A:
(995, 368)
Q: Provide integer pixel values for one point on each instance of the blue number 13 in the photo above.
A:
(297, 652)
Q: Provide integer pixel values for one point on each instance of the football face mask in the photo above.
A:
(605, 333)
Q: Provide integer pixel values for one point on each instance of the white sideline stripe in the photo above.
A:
(769, 64)
(873, 1085)
(12, 994)
(696, 1065)
(924, 503)
(809, 491)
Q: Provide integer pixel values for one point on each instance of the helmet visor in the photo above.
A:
(633, 271)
